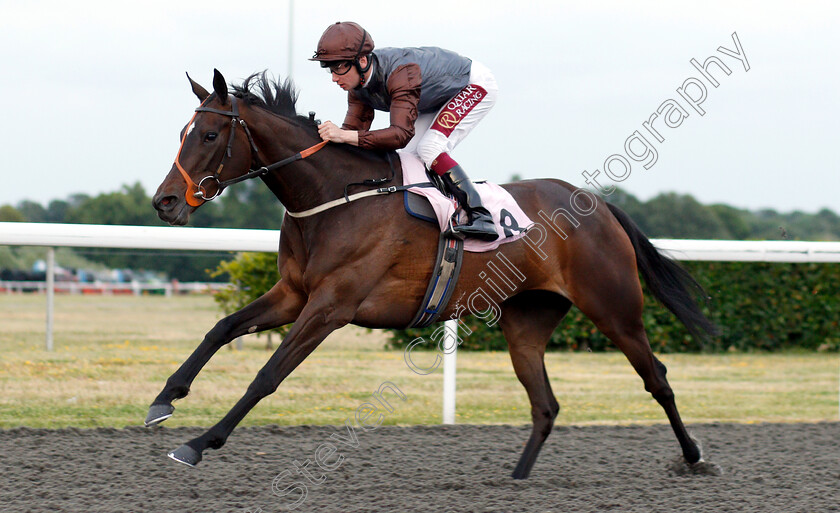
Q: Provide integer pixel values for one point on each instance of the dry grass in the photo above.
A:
(113, 354)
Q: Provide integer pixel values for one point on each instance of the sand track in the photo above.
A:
(768, 468)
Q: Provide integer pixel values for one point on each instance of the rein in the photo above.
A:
(196, 195)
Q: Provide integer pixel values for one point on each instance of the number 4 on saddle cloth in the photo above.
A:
(430, 204)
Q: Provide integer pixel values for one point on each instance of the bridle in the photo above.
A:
(196, 195)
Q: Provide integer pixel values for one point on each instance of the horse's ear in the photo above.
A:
(197, 89)
(220, 86)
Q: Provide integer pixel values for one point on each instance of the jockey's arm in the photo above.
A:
(359, 115)
(404, 89)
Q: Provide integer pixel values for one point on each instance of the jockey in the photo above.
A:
(435, 98)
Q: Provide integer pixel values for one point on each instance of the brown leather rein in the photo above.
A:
(196, 195)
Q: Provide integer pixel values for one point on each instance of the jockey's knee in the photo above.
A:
(430, 147)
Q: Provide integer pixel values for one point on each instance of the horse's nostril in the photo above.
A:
(165, 203)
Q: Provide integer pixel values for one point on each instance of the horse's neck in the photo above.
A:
(319, 178)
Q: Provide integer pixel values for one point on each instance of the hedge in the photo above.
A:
(757, 307)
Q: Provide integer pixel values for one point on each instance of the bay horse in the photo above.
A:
(368, 263)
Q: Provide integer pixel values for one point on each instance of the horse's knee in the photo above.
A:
(543, 419)
(221, 332)
(663, 394)
(660, 367)
(555, 409)
(263, 385)
(657, 384)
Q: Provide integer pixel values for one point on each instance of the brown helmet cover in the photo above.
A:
(343, 41)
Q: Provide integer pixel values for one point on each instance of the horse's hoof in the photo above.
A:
(186, 455)
(158, 413)
(705, 468)
(700, 468)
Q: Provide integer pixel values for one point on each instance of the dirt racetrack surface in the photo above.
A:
(766, 467)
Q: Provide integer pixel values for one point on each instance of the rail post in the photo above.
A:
(450, 348)
(50, 296)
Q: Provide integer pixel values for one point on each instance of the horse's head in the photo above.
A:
(209, 153)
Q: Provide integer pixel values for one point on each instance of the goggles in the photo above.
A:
(338, 67)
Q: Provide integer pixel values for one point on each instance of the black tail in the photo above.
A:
(672, 285)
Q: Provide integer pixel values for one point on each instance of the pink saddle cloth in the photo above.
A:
(510, 221)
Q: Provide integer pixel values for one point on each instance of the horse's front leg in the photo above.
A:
(277, 307)
(325, 312)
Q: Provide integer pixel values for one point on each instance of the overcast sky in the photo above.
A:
(94, 93)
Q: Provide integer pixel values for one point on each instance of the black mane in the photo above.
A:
(280, 97)
(272, 95)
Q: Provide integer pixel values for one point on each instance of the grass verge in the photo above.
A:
(113, 354)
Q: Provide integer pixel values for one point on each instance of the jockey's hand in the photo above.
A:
(329, 132)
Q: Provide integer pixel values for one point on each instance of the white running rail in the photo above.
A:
(225, 239)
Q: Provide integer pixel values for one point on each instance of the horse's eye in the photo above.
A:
(210, 137)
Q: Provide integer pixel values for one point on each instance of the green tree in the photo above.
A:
(9, 259)
(734, 221)
(9, 214)
(829, 223)
(679, 216)
(33, 211)
(129, 206)
(57, 211)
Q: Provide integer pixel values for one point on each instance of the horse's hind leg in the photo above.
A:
(616, 309)
(277, 307)
(527, 322)
(637, 349)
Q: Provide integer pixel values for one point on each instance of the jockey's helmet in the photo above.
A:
(343, 41)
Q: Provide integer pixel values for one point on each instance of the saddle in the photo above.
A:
(429, 201)
(511, 222)
(421, 207)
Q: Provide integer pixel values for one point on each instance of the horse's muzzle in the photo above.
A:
(171, 208)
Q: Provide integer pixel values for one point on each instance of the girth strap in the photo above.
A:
(444, 279)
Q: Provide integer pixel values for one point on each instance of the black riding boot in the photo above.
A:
(480, 225)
